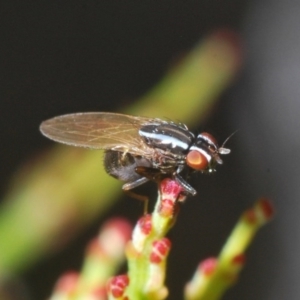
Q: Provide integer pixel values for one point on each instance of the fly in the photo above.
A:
(138, 149)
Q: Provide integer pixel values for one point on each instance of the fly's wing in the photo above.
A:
(98, 131)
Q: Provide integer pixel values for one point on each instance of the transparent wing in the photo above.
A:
(98, 131)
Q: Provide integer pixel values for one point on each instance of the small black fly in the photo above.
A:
(138, 149)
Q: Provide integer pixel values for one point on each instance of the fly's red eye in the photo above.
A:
(196, 160)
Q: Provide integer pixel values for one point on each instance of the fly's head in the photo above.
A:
(204, 154)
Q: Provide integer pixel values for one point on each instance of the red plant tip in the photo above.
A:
(239, 259)
(233, 40)
(94, 248)
(167, 208)
(170, 189)
(67, 283)
(99, 293)
(117, 285)
(119, 225)
(141, 232)
(208, 266)
(113, 237)
(265, 207)
(250, 216)
(145, 224)
(261, 213)
(160, 250)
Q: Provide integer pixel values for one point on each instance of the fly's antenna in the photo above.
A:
(223, 150)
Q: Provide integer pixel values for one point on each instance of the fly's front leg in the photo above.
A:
(188, 188)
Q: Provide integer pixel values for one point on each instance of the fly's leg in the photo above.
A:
(156, 175)
(147, 173)
(188, 188)
(139, 197)
(130, 185)
(133, 184)
(150, 173)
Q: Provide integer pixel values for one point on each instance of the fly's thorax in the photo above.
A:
(167, 161)
(169, 137)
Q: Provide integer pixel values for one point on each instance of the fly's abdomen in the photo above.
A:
(122, 166)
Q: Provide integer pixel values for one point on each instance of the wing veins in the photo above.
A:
(98, 131)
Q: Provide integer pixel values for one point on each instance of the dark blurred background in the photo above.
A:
(60, 57)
